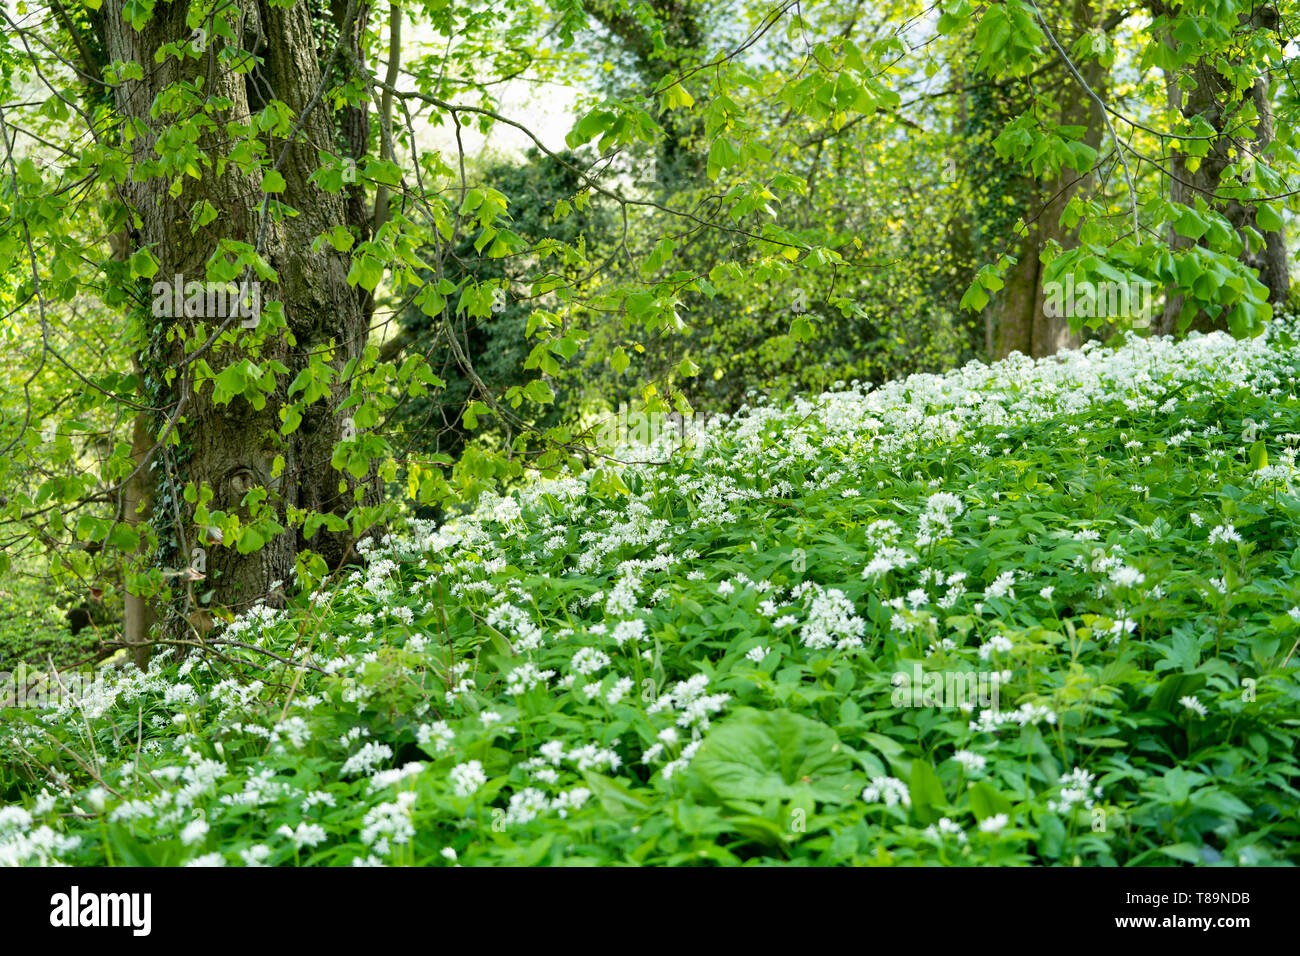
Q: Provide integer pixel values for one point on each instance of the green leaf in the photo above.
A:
(1220, 803)
(616, 800)
(366, 271)
(1173, 688)
(124, 538)
(762, 755)
(273, 182)
(986, 802)
(1267, 218)
(975, 298)
(143, 264)
(1191, 224)
(340, 238)
(723, 154)
(250, 539)
(926, 791)
(538, 391)
(619, 360)
(205, 214)
(1182, 851)
(137, 13)
(589, 127)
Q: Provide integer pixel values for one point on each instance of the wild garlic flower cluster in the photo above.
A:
(554, 652)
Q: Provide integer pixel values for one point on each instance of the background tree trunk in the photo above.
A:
(138, 616)
(232, 447)
(1052, 333)
(1023, 324)
(1015, 312)
(1214, 100)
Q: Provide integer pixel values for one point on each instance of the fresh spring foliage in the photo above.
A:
(696, 661)
(886, 187)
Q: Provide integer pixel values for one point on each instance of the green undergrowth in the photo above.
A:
(1034, 613)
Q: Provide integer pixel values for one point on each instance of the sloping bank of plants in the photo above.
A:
(731, 658)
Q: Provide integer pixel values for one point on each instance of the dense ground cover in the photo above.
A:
(698, 662)
(34, 624)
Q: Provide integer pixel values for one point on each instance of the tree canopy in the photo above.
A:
(283, 280)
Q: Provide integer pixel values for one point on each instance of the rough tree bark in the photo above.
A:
(1214, 100)
(1023, 323)
(232, 447)
(138, 615)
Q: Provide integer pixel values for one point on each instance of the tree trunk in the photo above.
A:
(1052, 333)
(1214, 100)
(1023, 324)
(138, 615)
(1015, 309)
(232, 447)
